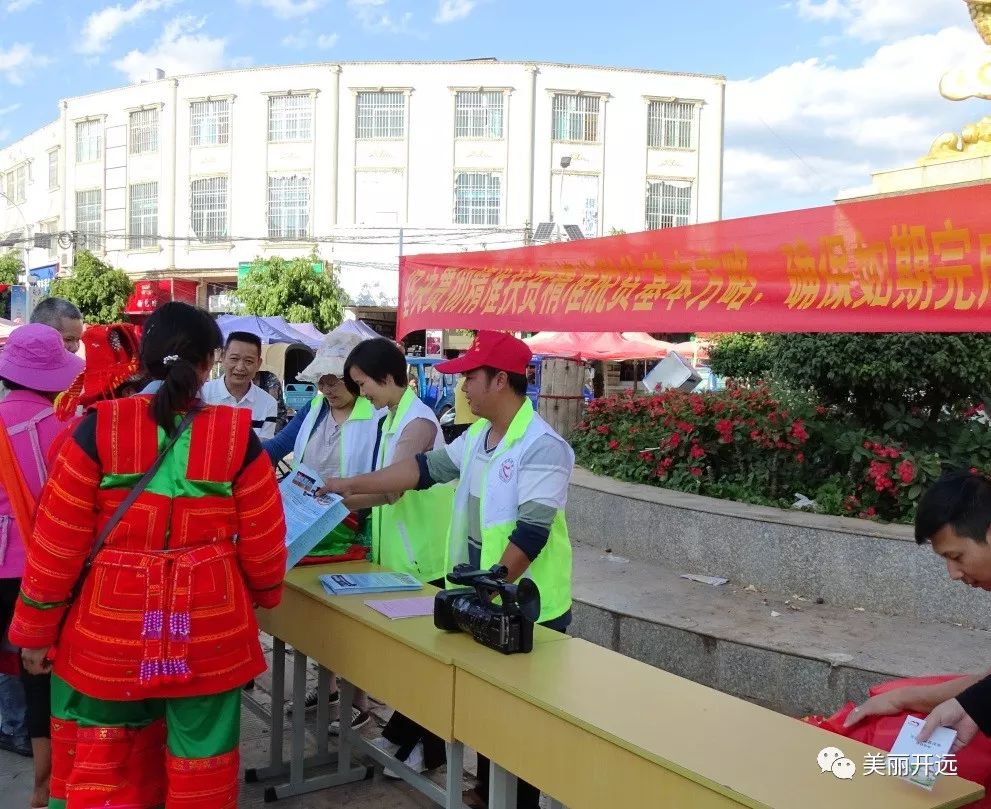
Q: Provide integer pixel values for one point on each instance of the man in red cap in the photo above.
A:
(513, 473)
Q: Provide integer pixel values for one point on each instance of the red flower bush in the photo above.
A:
(745, 443)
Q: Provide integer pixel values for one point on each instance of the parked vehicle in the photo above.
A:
(434, 389)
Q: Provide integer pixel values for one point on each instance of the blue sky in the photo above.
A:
(820, 91)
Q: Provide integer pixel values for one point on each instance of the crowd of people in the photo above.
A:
(141, 524)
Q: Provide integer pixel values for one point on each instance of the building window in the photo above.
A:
(670, 124)
(50, 228)
(477, 198)
(89, 217)
(143, 225)
(669, 204)
(290, 117)
(576, 118)
(208, 203)
(380, 115)
(17, 184)
(89, 141)
(53, 169)
(478, 114)
(289, 207)
(144, 131)
(575, 201)
(209, 122)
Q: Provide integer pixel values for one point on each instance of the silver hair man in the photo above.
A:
(63, 316)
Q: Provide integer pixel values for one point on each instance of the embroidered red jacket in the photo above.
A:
(166, 609)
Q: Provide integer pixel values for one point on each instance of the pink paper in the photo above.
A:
(404, 607)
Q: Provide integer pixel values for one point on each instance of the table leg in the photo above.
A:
(455, 769)
(323, 711)
(298, 749)
(502, 788)
(346, 736)
(275, 763)
(298, 783)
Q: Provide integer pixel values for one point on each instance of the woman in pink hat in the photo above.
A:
(34, 369)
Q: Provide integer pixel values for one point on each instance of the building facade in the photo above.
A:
(188, 177)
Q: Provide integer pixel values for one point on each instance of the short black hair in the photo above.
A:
(244, 337)
(379, 359)
(959, 499)
(12, 385)
(517, 382)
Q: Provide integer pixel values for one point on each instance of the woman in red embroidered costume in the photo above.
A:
(153, 652)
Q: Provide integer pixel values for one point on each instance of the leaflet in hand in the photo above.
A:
(308, 518)
(922, 760)
(344, 584)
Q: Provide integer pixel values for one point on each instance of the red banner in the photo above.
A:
(920, 262)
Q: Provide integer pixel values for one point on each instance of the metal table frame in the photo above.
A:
(350, 743)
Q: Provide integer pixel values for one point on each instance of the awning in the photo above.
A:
(268, 329)
(149, 295)
(583, 345)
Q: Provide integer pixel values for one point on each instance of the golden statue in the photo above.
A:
(972, 80)
(980, 13)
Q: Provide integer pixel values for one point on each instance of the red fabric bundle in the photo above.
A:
(973, 762)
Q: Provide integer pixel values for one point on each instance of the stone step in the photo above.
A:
(853, 563)
(787, 653)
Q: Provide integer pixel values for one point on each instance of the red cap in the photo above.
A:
(493, 349)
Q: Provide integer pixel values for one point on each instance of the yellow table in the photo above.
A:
(408, 663)
(594, 729)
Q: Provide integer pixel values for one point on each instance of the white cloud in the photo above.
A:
(103, 25)
(180, 49)
(18, 60)
(287, 9)
(451, 10)
(374, 15)
(305, 40)
(19, 5)
(802, 132)
(297, 41)
(880, 20)
(749, 171)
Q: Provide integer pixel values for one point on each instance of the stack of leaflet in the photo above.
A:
(348, 584)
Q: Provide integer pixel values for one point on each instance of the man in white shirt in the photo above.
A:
(241, 359)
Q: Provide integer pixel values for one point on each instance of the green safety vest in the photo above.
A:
(408, 535)
(499, 510)
(358, 434)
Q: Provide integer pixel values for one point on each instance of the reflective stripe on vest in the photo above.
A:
(499, 510)
(409, 535)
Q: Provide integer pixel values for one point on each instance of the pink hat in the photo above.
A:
(34, 356)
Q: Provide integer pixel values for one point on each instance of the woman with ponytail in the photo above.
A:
(160, 530)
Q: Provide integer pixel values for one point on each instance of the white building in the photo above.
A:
(187, 177)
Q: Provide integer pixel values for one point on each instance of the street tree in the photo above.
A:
(99, 290)
(295, 290)
(11, 267)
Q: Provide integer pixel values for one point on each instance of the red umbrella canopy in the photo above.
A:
(590, 345)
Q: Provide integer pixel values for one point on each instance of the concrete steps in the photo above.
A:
(774, 648)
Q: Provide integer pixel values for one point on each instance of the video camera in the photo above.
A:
(505, 627)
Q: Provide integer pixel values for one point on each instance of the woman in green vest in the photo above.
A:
(408, 530)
